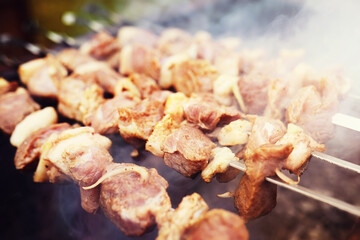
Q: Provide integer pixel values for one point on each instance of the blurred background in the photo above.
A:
(327, 32)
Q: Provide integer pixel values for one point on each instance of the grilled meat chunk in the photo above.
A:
(30, 149)
(14, 107)
(264, 131)
(217, 224)
(43, 76)
(140, 59)
(303, 146)
(105, 119)
(78, 154)
(133, 197)
(203, 110)
(254, 196)
(86, 165)
(78, 99)
(146, 85)
(99, 73)
(161, 130)
(174, 223)
(187, 150)
(192, 76)
(137, 123)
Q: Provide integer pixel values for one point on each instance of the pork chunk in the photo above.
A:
(14, 107)
(133, 197)
(43, 76)
(187, 150)
(105, 119)
(303, 146)
(137, 123)
(30, 149)
(254, 196)
(217, 224)
(173, 225)
(203, 110)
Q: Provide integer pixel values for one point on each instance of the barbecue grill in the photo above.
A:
(43, 211)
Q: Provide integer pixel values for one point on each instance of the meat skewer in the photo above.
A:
(355, 210)
(202, 120)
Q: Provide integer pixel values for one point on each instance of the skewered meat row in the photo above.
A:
(133, 197)
(200, 110)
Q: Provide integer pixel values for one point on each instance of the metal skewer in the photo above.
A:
(355, 210)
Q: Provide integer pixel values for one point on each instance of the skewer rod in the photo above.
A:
(355, 210)
(346, 121)
(336, 161)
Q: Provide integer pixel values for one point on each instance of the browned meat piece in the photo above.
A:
(146, 85)
(101, 46)
(6, 86)
(193, 76)
(71, 58)
(187, 150)
(217, 224)
(86, 165)
(99, 73)
(303, 146)
(105, 119)
(30, 149)
(253, 88)
(312, 109)
(137, 123)
(161, 130)
(14, 107)
(140, 59)
(254, 196)
(78, 154)
(134, 35)
(133, 197)
(264, 131)
(173, 41)
(43, 76)
(172, 226)
(203, 110)
(78, 99)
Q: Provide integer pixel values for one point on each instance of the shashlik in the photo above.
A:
(179, 126)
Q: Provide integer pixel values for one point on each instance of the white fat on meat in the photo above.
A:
(161, 130)
(31, 123)
(236, 132)
(174, 106)
(221, 158)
